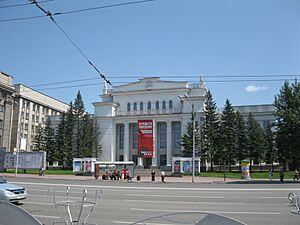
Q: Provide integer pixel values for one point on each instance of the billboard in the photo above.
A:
(145, 138)
(26, 160)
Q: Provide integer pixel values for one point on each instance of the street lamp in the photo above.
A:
(194, 138)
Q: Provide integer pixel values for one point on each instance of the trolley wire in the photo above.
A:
(23, 4)
(76, 11)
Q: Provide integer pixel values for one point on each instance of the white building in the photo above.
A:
(31, 108)
(149, 98)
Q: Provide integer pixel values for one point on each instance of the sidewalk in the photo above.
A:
(183, 179)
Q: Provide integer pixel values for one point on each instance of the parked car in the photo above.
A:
(11, 192)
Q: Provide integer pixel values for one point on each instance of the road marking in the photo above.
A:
(142, 223)
(201, 196)
(44, 216)
(216, 212)
(159, 188)
(181, 202)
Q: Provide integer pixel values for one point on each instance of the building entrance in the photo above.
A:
(147, 163)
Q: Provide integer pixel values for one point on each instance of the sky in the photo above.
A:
(244, 49)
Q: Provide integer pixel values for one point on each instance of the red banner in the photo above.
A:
(145, 138)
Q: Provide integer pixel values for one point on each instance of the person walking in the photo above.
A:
(270, 175)
(163, 174)
(153, 176)
(296, 175)
(281, 173)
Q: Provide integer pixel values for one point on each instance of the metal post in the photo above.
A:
(194, 143)
(224, 170)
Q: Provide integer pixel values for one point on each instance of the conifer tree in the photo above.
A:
(52, 153)
(39, 144)
(79, 112)
(228, 133)
(209, 129)
(60, 141)
(271, 150)
(69, 129)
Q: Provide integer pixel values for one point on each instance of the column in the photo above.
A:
(154, 159)
(113, 142)
(126, 142)
(169, 143)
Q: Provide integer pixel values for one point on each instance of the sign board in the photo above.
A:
(23, 144)
(145, 138)
(26, 160)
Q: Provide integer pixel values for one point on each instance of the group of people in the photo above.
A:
(162, 175)
(116, 175)
(281, 175)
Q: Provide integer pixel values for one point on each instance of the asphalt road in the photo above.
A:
(127, 203)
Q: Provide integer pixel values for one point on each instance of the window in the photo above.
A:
(1, 124)
(157, 105)
(177, 135)
(134, 106)
(128, 106)
(149, 106)
(170, 104)
(121, 137)
(27, 116)
(163, 160)
(32, 118)
(141, 106)
(26, 126)
(164, 104)
(162, 135)
(134, 136)
(1, 108)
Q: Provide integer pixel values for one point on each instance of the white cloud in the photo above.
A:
(252, 88)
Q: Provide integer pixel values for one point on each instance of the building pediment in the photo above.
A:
(151, 83)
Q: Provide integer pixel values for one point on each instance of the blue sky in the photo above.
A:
(173, 39)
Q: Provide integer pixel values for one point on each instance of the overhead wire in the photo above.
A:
(23, 4)
(78, 11)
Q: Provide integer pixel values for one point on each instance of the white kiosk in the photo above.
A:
(84, 165)
(184, 165)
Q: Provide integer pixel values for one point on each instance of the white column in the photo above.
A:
(113, 142)
(169, 143)
(126, 142)
(154, 159)
(140, 161)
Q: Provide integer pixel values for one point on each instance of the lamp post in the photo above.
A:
(194, 136)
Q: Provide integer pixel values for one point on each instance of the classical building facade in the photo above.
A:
(263, 114)
(6, 109)
(167, 103)
(31, 108)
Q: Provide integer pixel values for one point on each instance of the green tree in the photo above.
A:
(187, 139)
(228, 133)
(68, 141)
(241, 150)
(271, 150)
(79, 112)
(209, 130)
(287, 113)
(52, 153)
(39, 144)
(60, 140)
(256, 140)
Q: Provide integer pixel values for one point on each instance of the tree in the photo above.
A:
(256, 140)
(69, 129)
(241, 147)
(52, 153)
(60, 140)
(287, 113)
(187, 139)
(271, 150)
(39, 144)
(209, 129)
(227, 130)
(79, 112)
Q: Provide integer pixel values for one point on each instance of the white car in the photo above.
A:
(11, 192)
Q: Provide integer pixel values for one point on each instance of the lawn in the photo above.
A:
(49, 172)
(254, 175)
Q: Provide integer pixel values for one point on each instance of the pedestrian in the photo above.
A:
(281, 173)
(270, 175)
(163, 174)
(296, 175)
(153, 175)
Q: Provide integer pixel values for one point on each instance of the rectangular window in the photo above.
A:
(177, 135)
(135, 136)
(163, 160)
(1, 124)
(162, 135)
(121, 137)
(1, 108)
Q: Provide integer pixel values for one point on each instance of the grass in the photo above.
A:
(49, 172)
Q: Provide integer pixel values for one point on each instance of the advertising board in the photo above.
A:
(26, 160)
(145, 138)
